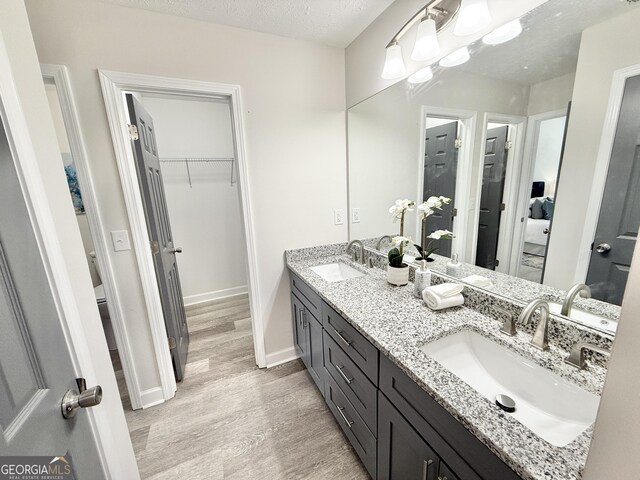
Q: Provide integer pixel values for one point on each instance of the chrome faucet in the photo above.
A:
(576, 357)
(579, 288)
(381, 239)
(354, 254)
(540, 338)
(509, 326)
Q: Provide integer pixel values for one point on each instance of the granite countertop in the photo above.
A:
(399, 324)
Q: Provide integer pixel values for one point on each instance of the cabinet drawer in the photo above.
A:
(445, 474)
(359, 349)
(306, 294)
(362, 440)
(455, 445)
(354, 384)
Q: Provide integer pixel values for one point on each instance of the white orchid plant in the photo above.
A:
(427, 209)
(399, 209)
(396, 253)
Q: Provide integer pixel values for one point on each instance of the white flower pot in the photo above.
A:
(398, 276)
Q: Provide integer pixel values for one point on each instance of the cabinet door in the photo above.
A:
(402, 453)
(445, 473)
(299, 330)
(314, 350)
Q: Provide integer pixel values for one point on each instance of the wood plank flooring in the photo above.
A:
(232, 420)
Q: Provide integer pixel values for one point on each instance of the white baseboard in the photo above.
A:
(152, 397)
(218, 294)
(281, 356)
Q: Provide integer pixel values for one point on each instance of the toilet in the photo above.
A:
(101, 299)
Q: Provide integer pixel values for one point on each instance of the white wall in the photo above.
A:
(548, 150)
(605, 47)
(551, 95)
(365, 56)
(205, 216)
(294, 101)
(96, 368)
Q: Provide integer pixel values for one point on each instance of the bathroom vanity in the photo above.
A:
(366, 344)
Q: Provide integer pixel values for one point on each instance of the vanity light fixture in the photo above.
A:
(433, 17)
(423, 75)
(503, 34)
(455, 58)
(474, 16)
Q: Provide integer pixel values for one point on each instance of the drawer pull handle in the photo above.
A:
(343, 375)
(443, 478)
(304, 318)
(347, 342)
(425, 468)
(340, 410)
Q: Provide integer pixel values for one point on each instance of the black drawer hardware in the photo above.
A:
(343, 375)
(341, 411)
(347, 342)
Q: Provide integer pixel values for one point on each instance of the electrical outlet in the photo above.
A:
(355, 215)
(338, 216)
(120, 240)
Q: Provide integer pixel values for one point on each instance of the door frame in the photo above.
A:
(602, 168)
(113, 86)
(524, 186)
(467, 119)
(58, 75)
(510, 190)
(108, 427)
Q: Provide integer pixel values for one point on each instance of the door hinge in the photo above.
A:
(497, 262)
(502, 207)
(508, 145)
(458, 143)
(454, 212)
(172, 343)
(133, 132)
(155, 247)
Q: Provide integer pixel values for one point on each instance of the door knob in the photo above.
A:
(87, 397)
(603, 248)
(176, 250)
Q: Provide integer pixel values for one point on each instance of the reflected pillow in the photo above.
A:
(547, 208)
(536, 209)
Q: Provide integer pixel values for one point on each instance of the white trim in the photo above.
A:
(468, 119)
(281, 356)
(190, 300)
(602, 168)
(113, 85)
(42, 219)
(524, 188)
(510, 189)
(59, 77)
(152, 397)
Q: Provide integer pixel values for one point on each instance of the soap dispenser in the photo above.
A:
(453, 266)
(422, 279)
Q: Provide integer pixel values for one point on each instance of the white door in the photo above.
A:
(36, 369)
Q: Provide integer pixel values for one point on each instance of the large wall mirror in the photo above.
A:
(535, 140)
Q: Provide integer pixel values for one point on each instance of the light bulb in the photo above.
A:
(473, 16)
(426, 46)
(393, 64)
(502, 34)
(455, 58)
(423, 75)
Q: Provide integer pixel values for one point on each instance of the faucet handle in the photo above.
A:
(509, 325)
(576, 356)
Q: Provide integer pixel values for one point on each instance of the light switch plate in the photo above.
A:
(120, 240)
(338, 216)
(355, 215)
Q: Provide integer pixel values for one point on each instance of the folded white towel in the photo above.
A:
(477, 280)
(447, 289)
(436, 302)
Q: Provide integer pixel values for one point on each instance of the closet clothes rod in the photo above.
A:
(188, 160)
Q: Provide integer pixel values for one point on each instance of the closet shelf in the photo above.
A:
(188, 160)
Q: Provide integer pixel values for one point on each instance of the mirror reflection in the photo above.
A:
(535, 141)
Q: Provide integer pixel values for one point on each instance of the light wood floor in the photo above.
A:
(231, 420)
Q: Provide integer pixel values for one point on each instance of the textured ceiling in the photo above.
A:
(332, 22)
(548, 46)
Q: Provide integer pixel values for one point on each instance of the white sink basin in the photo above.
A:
(336, 272)
(586, 318)
(550, 406)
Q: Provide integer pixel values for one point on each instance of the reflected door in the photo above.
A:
(36, 368)
(440, 167)
(617, 228)
(491, 206)
(157, 216)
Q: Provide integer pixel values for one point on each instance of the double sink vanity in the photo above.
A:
(443, 395)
